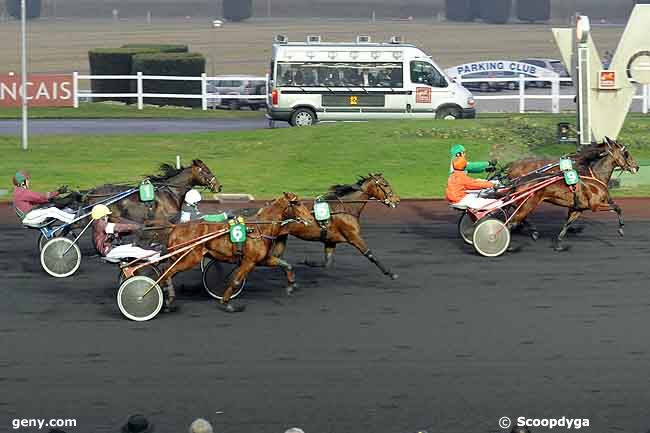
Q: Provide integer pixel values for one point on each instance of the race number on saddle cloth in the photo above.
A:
(460, 185)
(27, 201)
(105, 235)
(473, 167)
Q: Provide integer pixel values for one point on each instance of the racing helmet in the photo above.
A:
(456, 149)
(192, 197)
(100, 211)
(459, 163)
(20, 177)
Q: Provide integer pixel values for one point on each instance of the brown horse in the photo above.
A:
(171, 185)
(347, 203)
(595, 165)
(269, 223)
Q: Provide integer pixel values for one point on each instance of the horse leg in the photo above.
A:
(612, 206)
(330, 247)
(235, 283)
(571, 218)
(279, 246)
(530, 229)
(356, 240)
(187, 262)
(288, 270)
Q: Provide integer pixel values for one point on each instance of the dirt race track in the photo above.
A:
(456, 343)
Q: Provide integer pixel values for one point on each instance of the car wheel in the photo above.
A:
(234, 105)
(303, 117)
(512, 86)
(448, 113)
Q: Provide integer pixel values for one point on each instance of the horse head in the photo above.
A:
(376, 186)
(202, 176)
(294, 209)
(622, 157)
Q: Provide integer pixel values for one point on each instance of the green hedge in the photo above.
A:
(496, 11)
(33, 9)
(534, 10)
(163, 48)
(237, 10)
(113, 61)
(458, 10)
(180, 64)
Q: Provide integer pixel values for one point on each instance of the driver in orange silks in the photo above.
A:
(463, 190)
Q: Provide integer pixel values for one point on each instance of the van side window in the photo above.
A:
(426, 73)
(340, 74)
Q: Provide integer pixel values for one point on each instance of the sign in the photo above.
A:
(500, 66)
(423, 95)
(42, 90)
(607, 80)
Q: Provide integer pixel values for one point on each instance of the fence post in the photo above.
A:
(646, 98)
(204, 92)
(555, 95)
(75, 89)
(140, 91)
(522, 94)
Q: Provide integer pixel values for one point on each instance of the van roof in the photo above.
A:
(317, 45)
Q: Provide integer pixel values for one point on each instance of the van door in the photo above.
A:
(429, 89)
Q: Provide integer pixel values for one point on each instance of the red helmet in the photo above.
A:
(20, 177)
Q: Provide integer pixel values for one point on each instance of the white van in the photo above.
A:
(316, 81)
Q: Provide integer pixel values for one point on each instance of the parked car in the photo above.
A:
(486, 86)
(552, 65)
(237, 85)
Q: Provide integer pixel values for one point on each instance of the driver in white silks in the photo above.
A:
(105, 233)
(190, 209)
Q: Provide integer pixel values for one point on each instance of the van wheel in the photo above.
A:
(449, 113)
(303, 117)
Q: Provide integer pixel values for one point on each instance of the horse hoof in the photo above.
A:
(394, 276)
(621, 232)
(290, 290)
(560, 248)
(170, 307)
(534, 235)
(231, 307)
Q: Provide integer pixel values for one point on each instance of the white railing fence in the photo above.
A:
(555, 95)
(209, 99)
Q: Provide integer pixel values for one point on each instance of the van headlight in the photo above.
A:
(471, 102)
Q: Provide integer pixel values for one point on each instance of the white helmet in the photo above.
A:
(192, 197)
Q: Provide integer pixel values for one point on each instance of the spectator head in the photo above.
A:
(137, 424)
(294, 430)
(201, 426)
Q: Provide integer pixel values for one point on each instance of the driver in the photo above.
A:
(105, 233)
(472, 167)
(459, 186)
(190, 209)
(26, 202)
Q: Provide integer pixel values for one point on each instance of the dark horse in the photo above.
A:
(347, 202)
(171, 185)
(595, 164)
(270, 222)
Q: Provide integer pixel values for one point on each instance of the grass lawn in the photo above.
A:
(107, 111)
(414, 155)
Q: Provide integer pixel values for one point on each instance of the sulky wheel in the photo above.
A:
(140, 298)
(466, 228)
(491, 237)
(216, 276)
(150, 271)
(42, 240)
(60, 257)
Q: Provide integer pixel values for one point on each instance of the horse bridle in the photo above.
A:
(211, 182)
(625, 165)
(388, 195)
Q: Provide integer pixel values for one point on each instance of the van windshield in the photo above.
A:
(426, 73)
(340, 74)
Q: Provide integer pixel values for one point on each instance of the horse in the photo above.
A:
(595, 166)
(171, 185)
(270, 222)
(347, 203)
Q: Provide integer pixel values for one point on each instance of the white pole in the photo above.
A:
(23, 37)
(646, 98)
(75, 89)
(555, 92)
(204, 92)
(178, 162)
(140, 92)
(522, 94)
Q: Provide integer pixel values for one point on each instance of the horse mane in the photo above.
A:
(342, 190)
(589, 153)
(166, 171)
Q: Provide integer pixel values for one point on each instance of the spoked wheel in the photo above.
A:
(205, 261)
(140, 298)
(42, 240)
(466, 228)
(216, 276)
(151, 271)
(60, 257)
(491, 237)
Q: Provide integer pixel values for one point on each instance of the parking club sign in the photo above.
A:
(499, 66)
(42, 90)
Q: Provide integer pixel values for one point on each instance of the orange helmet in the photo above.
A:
(459, 163)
